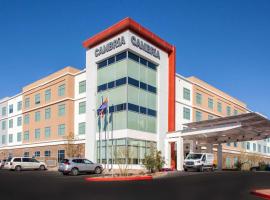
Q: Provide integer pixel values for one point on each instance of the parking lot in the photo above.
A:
(176, 185)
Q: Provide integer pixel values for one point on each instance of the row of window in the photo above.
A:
(47, 133)
(11, 109)
(47, 153)
(128, 80)
(258, 148)
(211, 105)
(132, 107)
(10, 123)
(198, 116)
(124, 55)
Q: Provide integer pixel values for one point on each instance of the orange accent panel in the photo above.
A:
(129, 24)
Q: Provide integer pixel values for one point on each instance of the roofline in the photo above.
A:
(9, 98)
(128, 24)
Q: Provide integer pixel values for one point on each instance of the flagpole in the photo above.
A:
(112, 152)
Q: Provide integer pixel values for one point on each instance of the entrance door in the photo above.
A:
(173, 155)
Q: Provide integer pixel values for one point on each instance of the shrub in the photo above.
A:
(154, 161)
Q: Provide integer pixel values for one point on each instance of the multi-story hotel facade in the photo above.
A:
(134, 70)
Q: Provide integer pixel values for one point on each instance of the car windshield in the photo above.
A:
(194, 156)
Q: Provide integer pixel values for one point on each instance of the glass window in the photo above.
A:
(26, 136)
(235, 144)
(82, 128)
(4, 111)
(47, 153)
(26, 119)
(186, 94)
(186, 113)
(133, 82)
(143, 61)
(198, 116)
(210, 103)
(11, 108)
(37, 99)
(132, 56)
(254, 147)
(27, 102)
(235, 112)
(10, 123)
(19, 137)
(248, 145)
(61, 110)
(219, 107)
(47, 95)
(61, 90)
(61, 129)
(198, 98)
(142, 110)
(3, 139)
(61, 155)
(228, 144)
(37, 133)
(264, 149)
(152, 89)
(47, 132)
(133, 107)
(19, 106)
(19, 121)
(47, 113)
(111, 84)
(26, 154)
(3, 125)
(259, 148)
(152, 66)
(152, 112)
(82, 87)
(102, 64)
(10, 138)
(111, 60)
(228, 111)
(82, 107)
(210, 117)
(37, 153)
(121, 81)
(121, 56)
(143, 86)
(37, 116)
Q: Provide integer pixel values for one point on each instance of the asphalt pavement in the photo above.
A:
(177, 185)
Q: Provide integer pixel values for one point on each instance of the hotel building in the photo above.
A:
(134, 70)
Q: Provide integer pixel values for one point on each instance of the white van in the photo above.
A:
(22, 163)
(199, 161)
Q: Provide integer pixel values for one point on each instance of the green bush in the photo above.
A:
(154, 161)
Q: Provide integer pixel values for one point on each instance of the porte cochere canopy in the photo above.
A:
(238, 128)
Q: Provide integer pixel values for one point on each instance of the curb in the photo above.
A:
(121, 178)
(263, 193)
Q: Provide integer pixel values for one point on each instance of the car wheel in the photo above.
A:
(74, 172)
(185, 169)
(42, 167)
(65, 173)
(18, 168)
(98, 170)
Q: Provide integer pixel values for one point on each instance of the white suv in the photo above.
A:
(21, 163)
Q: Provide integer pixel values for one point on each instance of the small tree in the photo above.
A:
(72, 150)
(154, 161)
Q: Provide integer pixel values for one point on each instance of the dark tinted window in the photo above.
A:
(111, 60)
(110, 84)
(121, 81)
(152, 89)
(64, 161)
(133, 107)
(26, 159)
(143, 86)
(143, 61)
(143, 110)
(17, 160)
(102, 87)
(111, 109)
(33, 160)
(132, 56)
(121, 56)
(133, 82)
(102, 64)
(120, 107)
(152, 112)
(152, 65)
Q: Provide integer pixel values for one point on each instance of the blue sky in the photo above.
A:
(226, 43)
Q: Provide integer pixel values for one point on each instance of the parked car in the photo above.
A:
(74, 166)
(2, 163)
(199, 161)
(260, 168)
(24, 163)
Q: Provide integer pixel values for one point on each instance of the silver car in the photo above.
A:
(74, 166)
